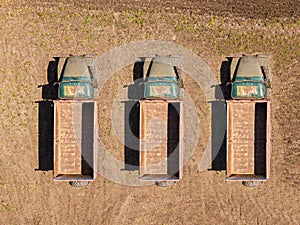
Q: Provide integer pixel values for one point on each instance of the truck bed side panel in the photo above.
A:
(268, 153)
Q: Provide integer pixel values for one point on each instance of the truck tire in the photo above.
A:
(164, 183)
(252, 183)
(78, 183)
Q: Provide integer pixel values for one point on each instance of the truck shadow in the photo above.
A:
(131, 135)
(46, 118)
(132, 118)
(225, 85)
(136, 90)
(219, 119)
(45, 135)
(218, 126)
(50, 90)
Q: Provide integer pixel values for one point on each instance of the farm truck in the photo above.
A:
(75, 121)
(161, 123)
(249, 121)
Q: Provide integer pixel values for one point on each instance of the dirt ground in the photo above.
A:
(33, 32)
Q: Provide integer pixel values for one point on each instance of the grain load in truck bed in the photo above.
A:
(248, 139)
(75, 140)
(241, 130)
(160, 150)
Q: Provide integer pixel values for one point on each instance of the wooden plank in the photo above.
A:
(229, 139)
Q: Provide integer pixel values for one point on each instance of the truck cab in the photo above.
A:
(249, 121)
(75, 78)
(162, 80)
(249, 79)
(75, 122)
(161, 123)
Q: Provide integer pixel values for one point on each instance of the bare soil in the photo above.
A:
(33, 32)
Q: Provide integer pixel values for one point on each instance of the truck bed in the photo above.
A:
(160, 152)
(75, 139)
(248, 139)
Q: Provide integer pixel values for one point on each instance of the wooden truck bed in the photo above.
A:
(161, 140)
(75, 139)
(248, 139)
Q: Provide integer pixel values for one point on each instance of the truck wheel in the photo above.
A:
(78, 183)
(252, 183)
(164, 183)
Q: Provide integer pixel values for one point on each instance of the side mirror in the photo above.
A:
(267, 83)
(180, 83)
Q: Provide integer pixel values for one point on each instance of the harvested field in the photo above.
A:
(33, 32)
